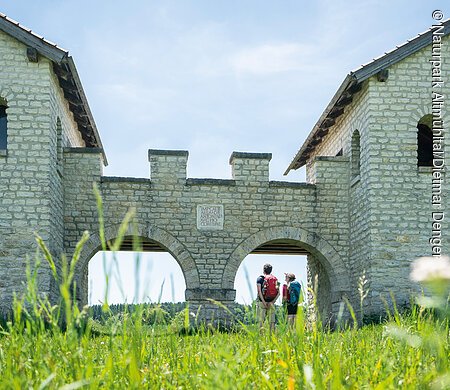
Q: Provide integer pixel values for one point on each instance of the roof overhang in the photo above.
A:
(66, 72)
(353, 83)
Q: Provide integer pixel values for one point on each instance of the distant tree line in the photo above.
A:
(165, 310)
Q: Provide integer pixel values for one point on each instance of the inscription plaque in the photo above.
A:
(210, 217)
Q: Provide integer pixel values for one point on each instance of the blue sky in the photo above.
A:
(214, 77)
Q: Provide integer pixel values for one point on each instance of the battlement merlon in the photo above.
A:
(250, 167)
(83, 164)
(168, 165)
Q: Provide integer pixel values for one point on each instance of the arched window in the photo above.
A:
(3, 124)
(425, 142)
(356, 154)
(59, 148)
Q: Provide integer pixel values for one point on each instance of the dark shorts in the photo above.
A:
(291, 309)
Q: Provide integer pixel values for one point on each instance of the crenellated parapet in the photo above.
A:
(210, 225)
(170, 166)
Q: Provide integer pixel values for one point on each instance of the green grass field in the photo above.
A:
(58, 346)
(410, 351)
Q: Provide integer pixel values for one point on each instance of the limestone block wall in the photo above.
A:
(30, 193)
(355, 118)
(245, 213)
(332, 217)
(353, 190)
(63, 132)
(401, 192)
(82, 168)
(390, 200)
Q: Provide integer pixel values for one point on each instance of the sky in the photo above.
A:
(213, 77)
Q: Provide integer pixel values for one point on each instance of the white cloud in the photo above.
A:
(271, 58)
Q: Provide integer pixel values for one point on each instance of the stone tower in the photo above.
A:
(43, 110)
(389, 119)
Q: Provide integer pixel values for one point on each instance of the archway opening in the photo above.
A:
(286, 255)
(252, 266)
(356, 154)
(150, 275)
(425, 141)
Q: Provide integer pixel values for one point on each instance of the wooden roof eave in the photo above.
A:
(356, 78)
(31, 39)
(86, 107)
(65, 66)
(348, 81)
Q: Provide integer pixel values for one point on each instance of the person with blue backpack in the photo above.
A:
(291, 296)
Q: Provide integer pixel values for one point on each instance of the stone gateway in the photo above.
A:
(366, 206)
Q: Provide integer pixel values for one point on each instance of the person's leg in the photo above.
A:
(271, 316)
(262, 313)
(292, 311)
(291, 319)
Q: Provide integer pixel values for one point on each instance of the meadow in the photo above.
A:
(60, 346)
(408, 351)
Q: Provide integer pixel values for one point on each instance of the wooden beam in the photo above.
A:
(67, 85)
(77, 109)
(383, 75)
(345, 100)
(356, 87)
(71, 97)
(82, 121)
(29, 39)
(88, 135)
(32, 54)
(281, 248)
(61, 72)
(328, 122)
(315, 142)
(146, 246)
(336, 112)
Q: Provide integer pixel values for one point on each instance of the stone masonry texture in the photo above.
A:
(376, 220)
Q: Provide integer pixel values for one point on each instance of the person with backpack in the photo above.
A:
(268, 291)
(291, 296)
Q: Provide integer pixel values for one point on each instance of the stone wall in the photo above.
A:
(400, 195)
(376, 218)
(390, 200)
(31, 191)
(249, 211)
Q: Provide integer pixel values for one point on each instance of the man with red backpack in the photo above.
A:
(268, 292)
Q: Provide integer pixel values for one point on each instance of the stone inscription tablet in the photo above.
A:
(210, 217)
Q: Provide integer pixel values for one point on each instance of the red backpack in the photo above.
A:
(270, 287)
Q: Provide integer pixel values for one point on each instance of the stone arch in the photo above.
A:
(417, 114)
(7, 94)
(162, 237)
(328, 257)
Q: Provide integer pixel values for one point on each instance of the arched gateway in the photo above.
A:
(210, 225)
(370, 205)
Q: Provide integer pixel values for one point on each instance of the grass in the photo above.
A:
(411, 353)
(46, 346)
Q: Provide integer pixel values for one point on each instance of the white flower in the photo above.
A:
(308, 372)
(426, 269)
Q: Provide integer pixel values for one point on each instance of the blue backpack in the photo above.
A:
(294, 292)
